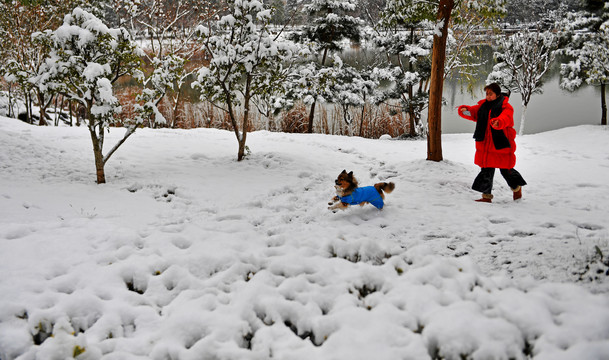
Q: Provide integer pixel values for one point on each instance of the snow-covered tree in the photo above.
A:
(22, 59)
(248, 62)
(402, 34)
(489, 8)
(529, 11)
(86, 58)
(522, 63)
(588, 51)
(467, 29)
(348, 88)
(169, 28)
(329, 23)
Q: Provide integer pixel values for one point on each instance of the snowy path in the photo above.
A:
(187, 254)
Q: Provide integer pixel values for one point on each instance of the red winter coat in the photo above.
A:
(487, 156)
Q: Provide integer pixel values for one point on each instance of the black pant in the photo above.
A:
(484, 180)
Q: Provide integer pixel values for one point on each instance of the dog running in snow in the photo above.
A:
(349, 193)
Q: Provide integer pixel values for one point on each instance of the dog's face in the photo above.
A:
(345, 183)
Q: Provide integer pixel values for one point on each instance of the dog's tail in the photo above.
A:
(384, 187)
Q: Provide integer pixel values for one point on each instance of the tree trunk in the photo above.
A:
(434, 118)
(175, 109)
(241, 152)
(99, 156)
(97, 139)
(361, 123)
(10, 102)
(603, 105)
(43, 111)
(28, 109)
(522, 118)
(411, 115)
(311, 116)
(246, 114)
(312, 112)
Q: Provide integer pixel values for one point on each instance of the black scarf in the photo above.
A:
(494, 108)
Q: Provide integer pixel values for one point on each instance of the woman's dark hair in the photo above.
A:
(494, 87)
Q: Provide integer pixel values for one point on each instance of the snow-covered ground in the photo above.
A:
(187, 254)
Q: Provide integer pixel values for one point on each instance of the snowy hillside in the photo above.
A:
(188, 254)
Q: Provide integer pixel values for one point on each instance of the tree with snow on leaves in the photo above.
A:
(522, 63)
(86, 58)
(248, 62)
(169, 27)
(330, 23)
(402, 34)
(588, 51)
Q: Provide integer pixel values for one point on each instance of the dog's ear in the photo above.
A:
(344, 172)
(350, 174)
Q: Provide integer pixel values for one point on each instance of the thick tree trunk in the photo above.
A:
(603, 105)
(434, 118)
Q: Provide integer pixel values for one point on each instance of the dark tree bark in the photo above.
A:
(434, 118)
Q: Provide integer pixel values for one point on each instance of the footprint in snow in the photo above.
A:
(181, 243)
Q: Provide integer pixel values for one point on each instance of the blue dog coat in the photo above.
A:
(364, 194)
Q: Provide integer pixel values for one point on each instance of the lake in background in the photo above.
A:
(555, 108)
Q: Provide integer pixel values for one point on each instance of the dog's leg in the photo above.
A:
(338, 206)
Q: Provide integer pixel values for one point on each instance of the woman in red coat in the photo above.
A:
(495, 144)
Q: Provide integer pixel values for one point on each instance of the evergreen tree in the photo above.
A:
(279, 12)
(329, 23)
(588, 51)
(403, 35)
(247, 62)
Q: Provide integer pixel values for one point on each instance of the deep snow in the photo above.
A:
(188, 254)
